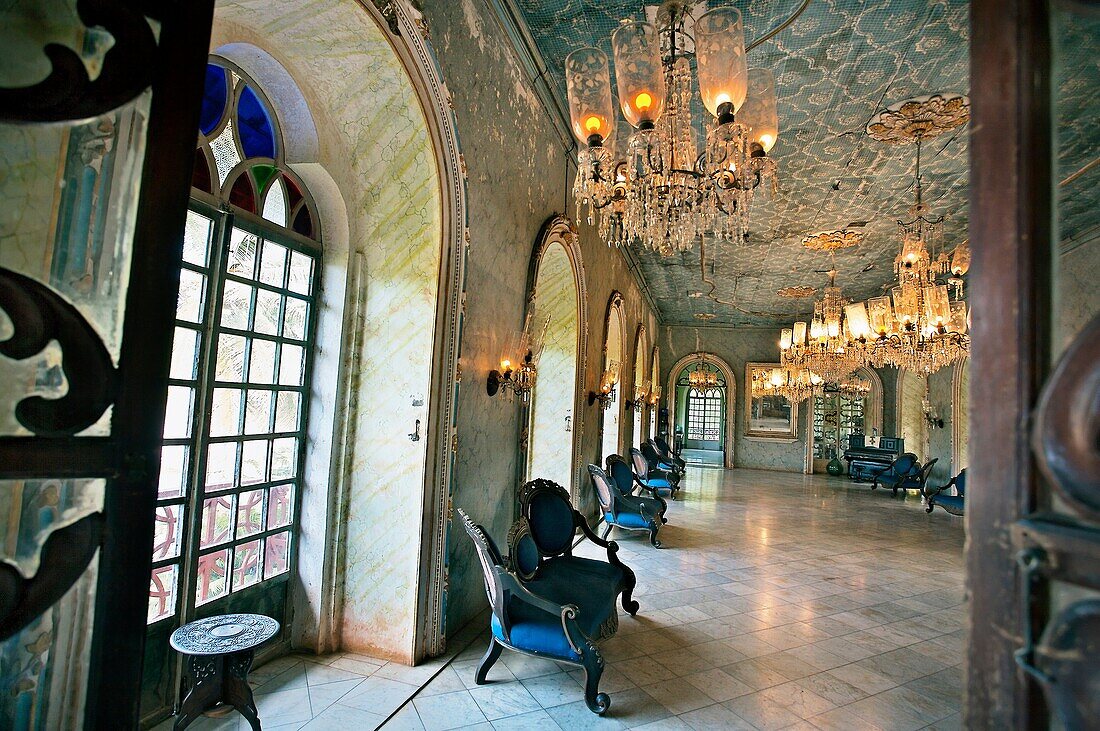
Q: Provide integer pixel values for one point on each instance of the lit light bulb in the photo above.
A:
(643, 101)
(505, 364)
(593, 124)
(723, 98)
(766, 141)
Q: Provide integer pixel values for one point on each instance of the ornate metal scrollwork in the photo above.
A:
(1066, 659)
(1066, 433)
(69, 93)
(64, 557)
(40, 315)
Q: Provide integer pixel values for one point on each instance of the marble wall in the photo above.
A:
(519, 175)
(382, 227)
(738, 346)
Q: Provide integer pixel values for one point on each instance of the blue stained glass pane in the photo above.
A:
(213, 99)
(256, 132)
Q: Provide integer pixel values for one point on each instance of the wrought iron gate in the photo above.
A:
(97, 116)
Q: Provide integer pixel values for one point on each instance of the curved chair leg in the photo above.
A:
(653, 537)
(629, 581)
(895, 492)
(487, 661)
(874, 485)
(597, 702)
(606, 531)
(928, 508)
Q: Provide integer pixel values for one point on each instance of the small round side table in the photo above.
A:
(219, 654)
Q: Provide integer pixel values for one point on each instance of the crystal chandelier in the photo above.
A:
(918, 327)
(702, 377)
(664, 193)
(824, 346)
(793, 383)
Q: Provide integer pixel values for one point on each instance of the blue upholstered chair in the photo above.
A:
(650, 479)
(904, 473)
(954, 504)
(623, 479)
(658, 460)
(619, 511)
(657, 466)
(528, 619)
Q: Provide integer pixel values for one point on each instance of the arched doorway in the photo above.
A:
(912, 426)
(556, 302)
(655, 390)
(960, 416)
(701, 408)
(610, 428)
(641, 387)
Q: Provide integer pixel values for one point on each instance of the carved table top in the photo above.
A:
(223, 634)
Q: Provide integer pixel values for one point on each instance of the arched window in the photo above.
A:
(234, 432)
(704, 415)
(612, 362)
(641, 386)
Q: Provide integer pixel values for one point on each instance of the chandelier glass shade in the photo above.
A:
(701, 377)
(663, 192)
(793, 383)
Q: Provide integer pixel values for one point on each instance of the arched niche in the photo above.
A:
(727, 374)
(404, 200)
(555, 299)
(960, 415)
(613, 348)
(641, 375)
(911, 425)
(872, 402)
(654, 403)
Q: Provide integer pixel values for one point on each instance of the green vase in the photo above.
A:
(835, 467)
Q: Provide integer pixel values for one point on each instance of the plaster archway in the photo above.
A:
(640, 375)
(611, 418)
(555, 307)
(911, 424)
(731, 396)
(960, 415)
(349, 585)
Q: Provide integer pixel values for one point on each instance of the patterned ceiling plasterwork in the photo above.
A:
(836, 65)
(797, 292)
(833, 240)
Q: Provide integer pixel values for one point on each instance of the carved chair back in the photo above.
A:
(927, 470)
(960, 482)
(546, 506)
(491, 565)
(905, 464)
(602, 483)
(621, 474)
(650, 454)
(662, 445)
(641, 465)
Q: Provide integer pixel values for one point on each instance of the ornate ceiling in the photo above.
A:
(837, 64)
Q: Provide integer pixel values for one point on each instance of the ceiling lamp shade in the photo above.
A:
(639, 74)
(760, 110)
(723, 70)
(588, 87)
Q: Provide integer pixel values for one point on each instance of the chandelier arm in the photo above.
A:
(779, 28)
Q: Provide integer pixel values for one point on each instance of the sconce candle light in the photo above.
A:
(518, 364)
(608, 381)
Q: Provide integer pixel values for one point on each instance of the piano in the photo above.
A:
(867, 455)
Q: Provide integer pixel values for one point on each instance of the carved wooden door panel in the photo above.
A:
(1033, 513)
(99, 100)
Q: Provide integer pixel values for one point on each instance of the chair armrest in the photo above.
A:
(567, 612)
(937, 490)
(591, 534)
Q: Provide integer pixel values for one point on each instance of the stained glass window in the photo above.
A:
(226, 515)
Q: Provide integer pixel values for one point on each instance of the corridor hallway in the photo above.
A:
(780, 601)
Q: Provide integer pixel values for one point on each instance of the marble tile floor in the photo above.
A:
(780, 601)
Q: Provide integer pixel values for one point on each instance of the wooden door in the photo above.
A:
(1033, 513)
(97, 139)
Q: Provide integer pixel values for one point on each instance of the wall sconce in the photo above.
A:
(655, 396)
(641, 392)
(608, 381)
(518, 364)
(930, 415)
